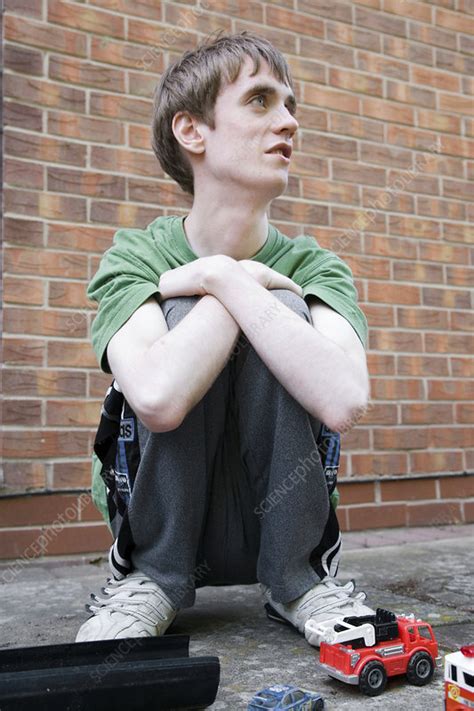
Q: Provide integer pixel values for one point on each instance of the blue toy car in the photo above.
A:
(284, 697)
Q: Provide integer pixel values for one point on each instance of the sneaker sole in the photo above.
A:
(272, 614)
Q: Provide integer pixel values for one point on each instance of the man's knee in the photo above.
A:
(293, 301)
(175, 308)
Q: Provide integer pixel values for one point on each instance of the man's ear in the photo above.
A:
(186, 131)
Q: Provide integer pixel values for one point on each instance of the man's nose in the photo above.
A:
(285, 121)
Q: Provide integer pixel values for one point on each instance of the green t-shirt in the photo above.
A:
(129, 273)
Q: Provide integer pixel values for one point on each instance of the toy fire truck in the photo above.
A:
(459, 679)
(366, 650)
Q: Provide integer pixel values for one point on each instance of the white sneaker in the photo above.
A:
(134, 607)
(326, 600)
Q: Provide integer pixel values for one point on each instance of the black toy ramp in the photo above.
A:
(99, 679)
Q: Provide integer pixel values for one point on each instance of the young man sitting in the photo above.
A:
(241, 353)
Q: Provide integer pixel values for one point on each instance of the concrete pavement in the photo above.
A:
(428, 571)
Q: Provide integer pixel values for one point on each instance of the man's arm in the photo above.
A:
(322, 366)
(162, 373)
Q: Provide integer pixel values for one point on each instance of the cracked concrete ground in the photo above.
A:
(428, 571)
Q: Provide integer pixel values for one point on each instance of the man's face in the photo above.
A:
(252, 115)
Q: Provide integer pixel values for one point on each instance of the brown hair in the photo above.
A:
(192, 84)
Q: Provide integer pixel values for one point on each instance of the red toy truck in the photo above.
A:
(367, 650)
(459, 679)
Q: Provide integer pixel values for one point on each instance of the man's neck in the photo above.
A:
(231, 230)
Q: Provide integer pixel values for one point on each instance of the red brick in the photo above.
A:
(462, 367)
(334, 11)
(449, 343)
(330, 98)
(414, 227)
(144, 8)
(450, 390)
(400, 438)
(350, 126)
(458, 233)
(379, 315)
(450, 437)
(422, 365)
(29, 118)
(432, 35)
(76, 71)
(45, 36)
(44, 93)
(20, 475)
(468, 511)
(71, 413)
(46, 443)
(354, 173)
(389, 111)
(462, 321)
(24, 175)
(395, 340)
(434, 514)
(327, 52)
(83, 538)
(465, 412)
(379, 464)
(422, 318)
(42, 148)
(51, 322)
(99, 185)
(435, 461)
(460, 276)
(23, 60)
(438, 121)
(21, 412)
(391, 389)
(85, 18)
(42, 382)
(68, 294)
(454, 20)
(34, 509)
(414, 10)
(23, 260)
(446, 209)
(355, 81)
(457, 487)
(377, 516)
(409, 94)
(408, 490)
(72, 474)
(23, 232)
(356, 492)
(380, 363)
(98, 384)
(393, 294)
(84, 238)
(396, 47)
(446, 298)
(29, 8)
(71, 354)
(421, 413)
(23, 291)
(85, 128)
(23, 351)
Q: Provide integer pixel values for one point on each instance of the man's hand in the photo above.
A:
(189, 279)
(196, 277)
(269, 278)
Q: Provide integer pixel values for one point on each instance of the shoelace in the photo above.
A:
(342, 593)
(137, 592)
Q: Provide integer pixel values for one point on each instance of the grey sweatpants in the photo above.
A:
(236, 494)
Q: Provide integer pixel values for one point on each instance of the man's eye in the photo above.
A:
(259, 96)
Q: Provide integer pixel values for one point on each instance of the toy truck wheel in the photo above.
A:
(420, 669)
(373, 679)
(319, 706)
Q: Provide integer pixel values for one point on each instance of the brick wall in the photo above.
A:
(382, 174)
